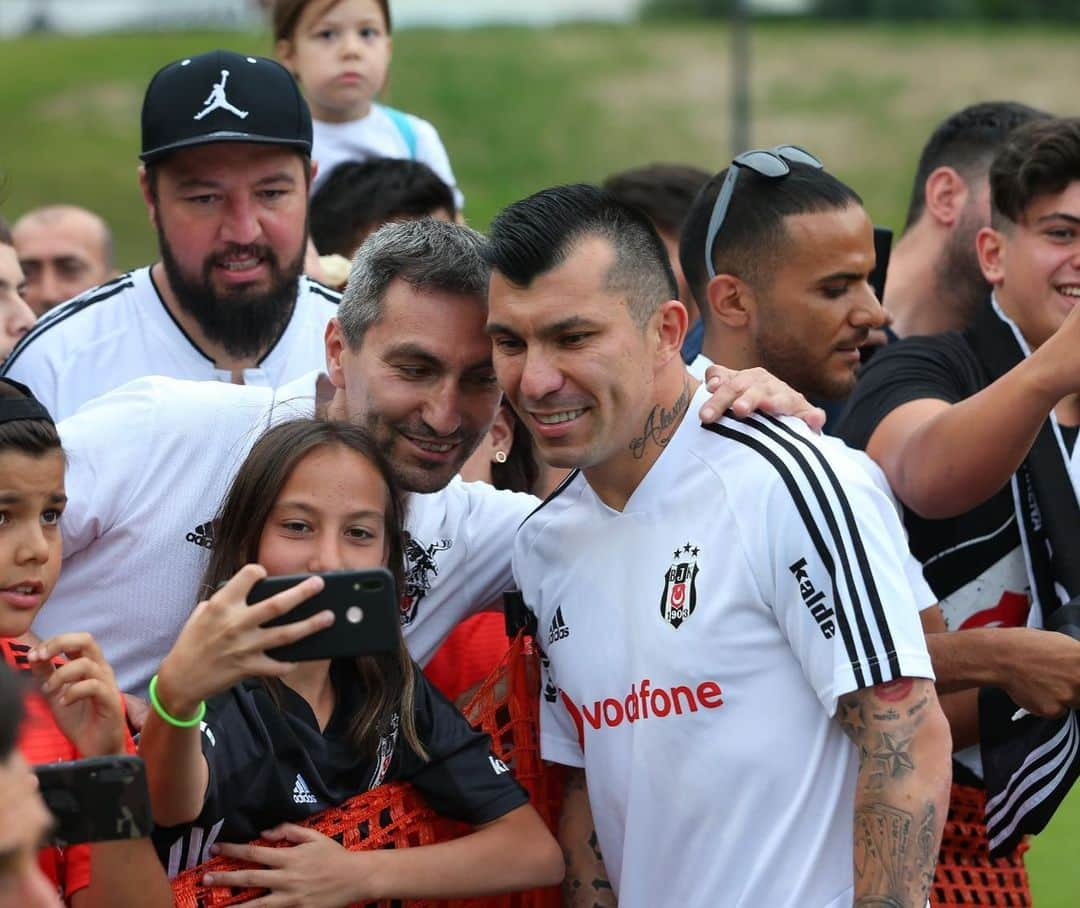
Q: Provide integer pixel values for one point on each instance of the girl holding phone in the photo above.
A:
(280, 741)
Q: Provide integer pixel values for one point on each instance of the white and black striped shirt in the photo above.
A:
(121, 331)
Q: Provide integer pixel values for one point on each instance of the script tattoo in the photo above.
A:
(660, 424)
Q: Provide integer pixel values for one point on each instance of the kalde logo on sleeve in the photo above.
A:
(813, 599)
(644, 702)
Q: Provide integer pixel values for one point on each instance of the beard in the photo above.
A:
(411, 472)
(243, 321)
(789, 360)
(961, 286)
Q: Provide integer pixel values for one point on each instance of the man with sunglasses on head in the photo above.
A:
(719, 604)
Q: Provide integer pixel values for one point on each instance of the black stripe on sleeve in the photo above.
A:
(65, 311)
(325, 292)
(880, 617)
(816, 538)
(873, 658)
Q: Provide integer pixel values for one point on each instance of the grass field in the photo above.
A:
(521, 109)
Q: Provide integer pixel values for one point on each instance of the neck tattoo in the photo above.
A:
(660, 424)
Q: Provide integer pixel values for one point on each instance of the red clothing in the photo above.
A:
(469, 654)
(41, 741)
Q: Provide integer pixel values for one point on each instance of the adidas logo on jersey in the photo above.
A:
(301, 794)
(203, 535)
(558, 629)
(498, 765)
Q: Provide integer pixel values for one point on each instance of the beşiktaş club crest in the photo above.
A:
(680, 586)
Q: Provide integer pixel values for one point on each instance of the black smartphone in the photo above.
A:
(97, 799)
(365, 610)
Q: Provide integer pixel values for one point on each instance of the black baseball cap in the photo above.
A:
(223, 96)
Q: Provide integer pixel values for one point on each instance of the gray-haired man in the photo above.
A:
(407, 357)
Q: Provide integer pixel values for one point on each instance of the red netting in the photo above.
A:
(966, 874)
(395, 816)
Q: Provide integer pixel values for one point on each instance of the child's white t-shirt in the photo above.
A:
(378, 136)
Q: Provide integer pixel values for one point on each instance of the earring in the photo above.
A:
(500, 457)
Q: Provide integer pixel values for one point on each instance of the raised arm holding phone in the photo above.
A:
(240, 744)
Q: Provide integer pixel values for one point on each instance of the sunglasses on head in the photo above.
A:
(766, 162)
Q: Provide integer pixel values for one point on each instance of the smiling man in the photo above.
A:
(226, 145)
(719, 604)
(977, 433)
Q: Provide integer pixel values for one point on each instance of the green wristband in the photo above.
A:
(172, 720)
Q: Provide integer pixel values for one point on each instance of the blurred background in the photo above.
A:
(526, 95)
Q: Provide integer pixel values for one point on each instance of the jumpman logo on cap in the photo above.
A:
(218, 101)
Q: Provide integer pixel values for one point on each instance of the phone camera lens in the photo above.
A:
(354, 615)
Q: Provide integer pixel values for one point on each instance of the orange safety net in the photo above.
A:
(395, 815)
(966, 874)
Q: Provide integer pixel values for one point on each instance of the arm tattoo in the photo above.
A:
(895, 850)
(660, 424)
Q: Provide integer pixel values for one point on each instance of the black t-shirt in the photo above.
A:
(957, 553)
(269, 765)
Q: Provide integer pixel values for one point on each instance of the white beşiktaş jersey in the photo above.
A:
(121, 331)
(148, 466)
(697, 644)
(920, 589)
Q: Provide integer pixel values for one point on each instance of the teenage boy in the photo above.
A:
(225, 178)
(698, 655)
(976, 433)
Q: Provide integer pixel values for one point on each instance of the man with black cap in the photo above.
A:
(226, 145)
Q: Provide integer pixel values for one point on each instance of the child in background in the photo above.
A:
(339, 51)
(79, 712)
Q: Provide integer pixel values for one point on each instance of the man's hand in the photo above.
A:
(586, 883)
(1042, 669)
(317, 872)
(755, 389)
(137, 710)
(82, 694)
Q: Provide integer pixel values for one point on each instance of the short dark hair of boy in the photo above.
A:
(285, 14)
(662, 192)
(1039, 159)
(751, 241)
(967, 141)
(530, 238)
(360, 196)
(11, 710)
(33, 437)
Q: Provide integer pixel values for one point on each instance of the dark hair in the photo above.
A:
(285, 15)
(6, 238)
(533, 236)
(662, 192)
(751, 241)
(967, 141)
(11, 710)
(34, 437)
(387, 679)
(1041, 158)
(360, 196)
